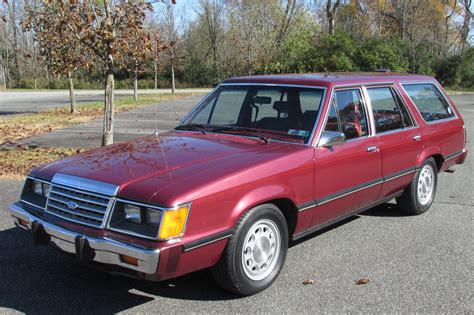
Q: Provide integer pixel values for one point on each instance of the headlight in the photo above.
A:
(148, 221)
(35, 192)
(40, 188)
(132, 213)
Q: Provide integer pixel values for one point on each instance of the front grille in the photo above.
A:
(77, 205)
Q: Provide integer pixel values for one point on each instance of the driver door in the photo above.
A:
(347, 176)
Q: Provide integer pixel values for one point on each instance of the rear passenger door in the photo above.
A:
(347, 176)
(398, 135)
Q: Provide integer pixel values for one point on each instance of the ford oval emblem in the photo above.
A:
(71, 205)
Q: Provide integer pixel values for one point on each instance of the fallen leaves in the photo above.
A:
(361, 281)
(17, 161)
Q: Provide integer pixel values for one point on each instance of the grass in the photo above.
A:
(15, 163)
(24, 126)
(456, 92)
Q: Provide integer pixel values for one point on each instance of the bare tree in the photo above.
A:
(171, 38)
(466, 25)
(211, 12)
(60, 48)
(12, 12)
(331, 10)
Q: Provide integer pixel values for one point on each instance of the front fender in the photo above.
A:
(259, 196)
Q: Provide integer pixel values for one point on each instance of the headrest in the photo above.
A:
(282, 106)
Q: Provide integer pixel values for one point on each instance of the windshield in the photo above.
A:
(270, 112)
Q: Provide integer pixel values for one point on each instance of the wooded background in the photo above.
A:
(202, 42)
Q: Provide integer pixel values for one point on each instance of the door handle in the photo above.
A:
(417, 138)
(372, 149)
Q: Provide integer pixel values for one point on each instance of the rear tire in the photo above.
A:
(255, 253)
(418, 197)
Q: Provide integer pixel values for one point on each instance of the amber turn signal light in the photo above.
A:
(174, 221)
(129, 260)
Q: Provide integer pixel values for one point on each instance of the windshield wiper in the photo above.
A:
(240, 130)
(198, 127)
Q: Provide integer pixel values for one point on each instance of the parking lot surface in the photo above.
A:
(19, 102)
(414, 263)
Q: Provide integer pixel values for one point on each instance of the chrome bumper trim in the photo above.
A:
(106, 250)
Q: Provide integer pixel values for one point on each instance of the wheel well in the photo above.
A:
(290, 212)
(439, 160)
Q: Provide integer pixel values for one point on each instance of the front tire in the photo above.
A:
(418, 197)
(256, 251)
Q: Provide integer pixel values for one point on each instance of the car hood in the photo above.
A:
(128, 163)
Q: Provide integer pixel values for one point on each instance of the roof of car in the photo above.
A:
(327, 79)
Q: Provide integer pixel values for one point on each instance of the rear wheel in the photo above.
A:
(255, 253)
(418, 197)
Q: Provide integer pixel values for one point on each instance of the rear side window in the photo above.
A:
(389, 113)
(429, 101)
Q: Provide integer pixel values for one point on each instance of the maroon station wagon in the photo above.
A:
(259, 162)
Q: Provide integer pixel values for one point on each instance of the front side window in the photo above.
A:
(332, 124)
(284, 113)
(430, 102)
(388, 111)
(351, 115)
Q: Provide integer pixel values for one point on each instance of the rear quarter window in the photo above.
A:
(430, 102)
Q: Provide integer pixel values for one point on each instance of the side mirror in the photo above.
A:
(331, 138)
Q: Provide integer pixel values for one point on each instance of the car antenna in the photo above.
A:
(156, 120)
(157, 134)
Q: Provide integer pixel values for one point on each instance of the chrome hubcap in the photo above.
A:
(425, 184)
(261, 249)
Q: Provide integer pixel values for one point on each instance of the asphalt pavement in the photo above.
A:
(414, 263)
(138, 122)
(24, 102)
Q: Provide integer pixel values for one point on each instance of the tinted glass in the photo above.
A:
(332, 123)
(222, 110)
(352, 115)
(278, 112)
(386, 111)
(429, 101)
(407, 120)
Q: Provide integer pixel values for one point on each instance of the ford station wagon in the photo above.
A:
(260, 162)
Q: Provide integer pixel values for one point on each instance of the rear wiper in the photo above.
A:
(198, 127)
(239, 130)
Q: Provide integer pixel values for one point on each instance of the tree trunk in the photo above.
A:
(173, 84)
(466, 25)
(108, 131)
(331, 15)
(135, 86)
(155, 65)
(35, 84)
(72, 93)
(214, 65)
(331, 24)
(3, 79)
(7, 70)
(15, 38)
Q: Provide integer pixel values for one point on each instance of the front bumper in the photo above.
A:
(87, 248)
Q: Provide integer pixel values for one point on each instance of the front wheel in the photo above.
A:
(255, 253)
(418, 197)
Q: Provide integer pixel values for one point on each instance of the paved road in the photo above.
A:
(414, 263)
(12, 103)
(135, 123)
